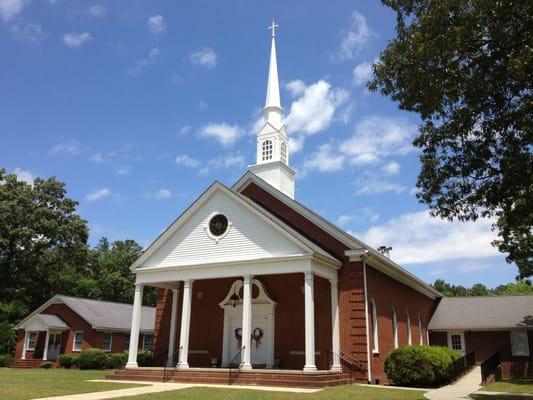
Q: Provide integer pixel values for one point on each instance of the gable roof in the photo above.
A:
(263, 214)
(52, 321)
(101, 315)
(373, 257)
(483, 313)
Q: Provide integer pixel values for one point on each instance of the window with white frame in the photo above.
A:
(283, 152)
(78, 341)
(456, 341)
(374, 325)
(107, 341)
(519, 343)
(31, 341)
(420, 333)
(409, 333)
(395, 327)
(126, 342)
(267, 150)
(147, 342)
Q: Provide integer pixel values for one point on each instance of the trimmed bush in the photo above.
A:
(144, 359)
(68, 360)
(420, 366)
(93, 359)
(6, 360)
(47, 365)
(117, 360)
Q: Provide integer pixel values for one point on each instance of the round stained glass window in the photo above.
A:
(218, 225)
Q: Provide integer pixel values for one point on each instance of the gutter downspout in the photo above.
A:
(368, 358)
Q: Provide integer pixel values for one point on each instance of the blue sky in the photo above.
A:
(139, 106)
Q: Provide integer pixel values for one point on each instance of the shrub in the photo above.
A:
(116, 360)
(68, 360)
(93, 359)
(47, 365)
(420, 366)
(144, 359)
(6, 360)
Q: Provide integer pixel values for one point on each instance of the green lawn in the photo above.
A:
(22, 384)
(337, 393)
(511, 386)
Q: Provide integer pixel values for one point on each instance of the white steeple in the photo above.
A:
(272, 141)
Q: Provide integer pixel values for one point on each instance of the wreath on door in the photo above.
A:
(257, 335)
(238, 336)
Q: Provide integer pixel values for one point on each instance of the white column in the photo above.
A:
(135, 326)
(309, 324)
(270, 342)
(335, 330)
(25, 344)
(185, 324)
(172, 331)
(246, 323)
(226, 340)
(46, 340)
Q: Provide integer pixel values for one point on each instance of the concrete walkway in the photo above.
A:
(460, 389)
(162, 387)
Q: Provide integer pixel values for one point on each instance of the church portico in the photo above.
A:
(288, 320)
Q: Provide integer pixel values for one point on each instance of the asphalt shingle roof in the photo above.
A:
(483, 313)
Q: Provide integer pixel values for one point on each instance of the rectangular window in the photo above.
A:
(456, 342)
(108, 339)
(32, 340)
(78, 341)
(519, 343)
(126, 342)
(147, 342)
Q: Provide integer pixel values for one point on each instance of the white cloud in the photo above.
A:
(26, 32)
(314, 109)
(296, 143)
(187, 161)
(70, 149)
(324, 160)
(229, 161)
(97, 158)
(202, 105)
(356, 37)
(391, 168)
(98, 10)
(376, 137)
(139, 65)
(184, 130)
(24, 175)
(344, 219)
(224, 133)
(362, 214)
(10, 8)
(156, 24)
(162, 194)
(377, 186)
(75, 40)
(362, 73)
(205, 57)
(99, 194)
(123, 171)
(419, 238)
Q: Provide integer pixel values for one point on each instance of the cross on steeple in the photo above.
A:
(273, 27)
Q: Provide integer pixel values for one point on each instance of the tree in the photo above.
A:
(43, 244)
(514, 288)
(520, 287)
(110, 276)
(465, 67)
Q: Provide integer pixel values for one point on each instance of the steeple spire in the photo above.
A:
(272, 141)
(272, 95)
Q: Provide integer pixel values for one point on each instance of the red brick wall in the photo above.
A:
(485, 344)
(387, 293)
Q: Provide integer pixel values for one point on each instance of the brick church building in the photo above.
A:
(250, 278)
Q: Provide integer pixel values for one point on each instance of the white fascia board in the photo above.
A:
(49, 302)
(299, 240)
(394, 271)
(354, 244)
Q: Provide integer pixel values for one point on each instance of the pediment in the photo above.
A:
(251, 235)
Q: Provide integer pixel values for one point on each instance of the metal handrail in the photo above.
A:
(170, 365)
(489, 367)
(352, 365)
(230, 376)
(461, 365)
